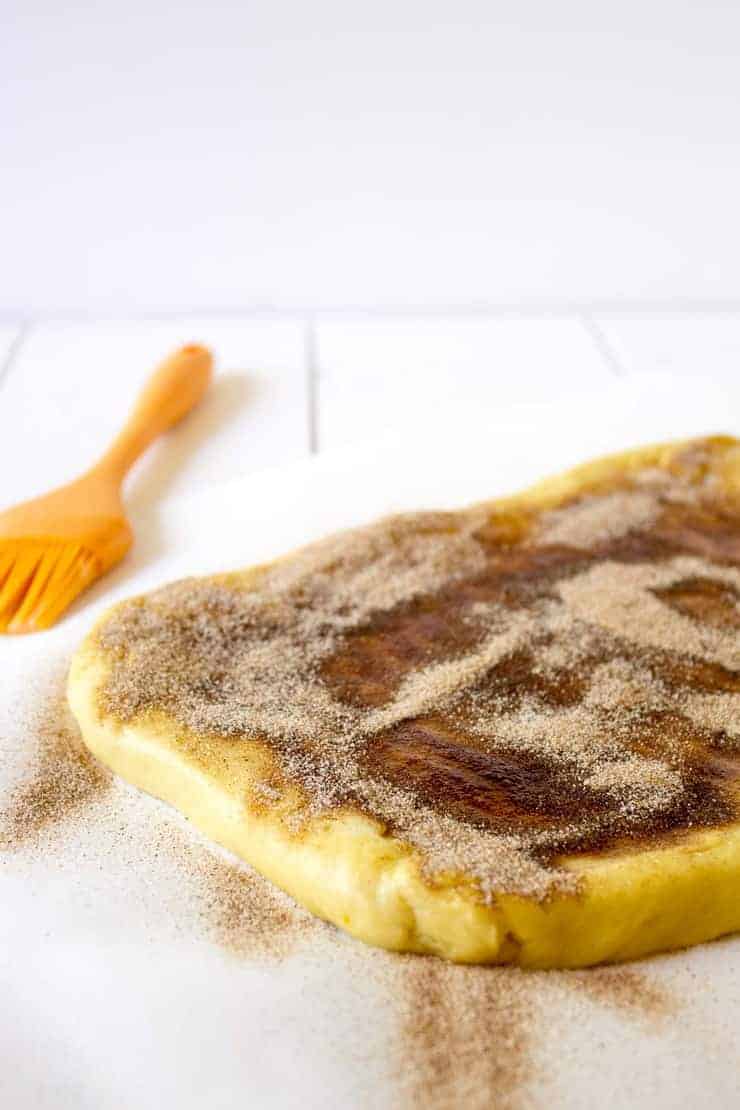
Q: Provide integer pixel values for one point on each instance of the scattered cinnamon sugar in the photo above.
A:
(245, 913)
(620, 598)
(431, 687)
(717, 713)
(473, 1036)
(551, 711)
(218, 895)
(621, 684)
(467, 1034)
(63, 776)
(629, 989)
(597, 519)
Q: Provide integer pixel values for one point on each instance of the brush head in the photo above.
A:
(53, 547)
(39, 579)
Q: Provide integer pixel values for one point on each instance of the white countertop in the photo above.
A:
(288, 386)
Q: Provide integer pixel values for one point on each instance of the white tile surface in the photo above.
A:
(381, 376)
(71, 385)
(703, 344)
(408, 152)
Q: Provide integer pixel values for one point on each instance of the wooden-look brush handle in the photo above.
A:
(174, 388)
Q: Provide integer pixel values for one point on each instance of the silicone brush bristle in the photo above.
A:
(38, 580)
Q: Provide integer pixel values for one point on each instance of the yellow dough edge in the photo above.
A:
(345, 869)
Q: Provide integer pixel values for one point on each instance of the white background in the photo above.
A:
(161, 156)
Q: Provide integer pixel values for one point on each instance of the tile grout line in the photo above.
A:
(14, 349)
(312, 384)
(602, 344)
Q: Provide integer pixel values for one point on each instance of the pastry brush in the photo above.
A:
(53, 547)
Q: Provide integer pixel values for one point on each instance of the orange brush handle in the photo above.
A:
(174, 388)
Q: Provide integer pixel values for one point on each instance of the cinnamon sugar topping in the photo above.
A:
(495, 706)
(595, 520)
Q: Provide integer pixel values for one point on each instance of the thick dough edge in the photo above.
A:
(347, 870)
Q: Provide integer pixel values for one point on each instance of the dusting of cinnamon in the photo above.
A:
(246, 914)
(236, 907)
(629, 990)
(598, 519)
(63, 776)
(467, 1035)
(473, 1036)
